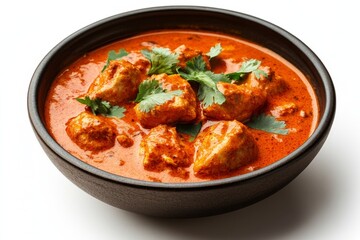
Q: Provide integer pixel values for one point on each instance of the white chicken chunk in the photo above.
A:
(284, 109)
(223, 147)
(185, 54)
(270, 85)
(90, 132)
(118, 83)
(162, 148)
(241, 103)
(247, 99)
(182, 108)
(139, 61)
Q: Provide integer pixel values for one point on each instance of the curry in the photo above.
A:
(181, 106)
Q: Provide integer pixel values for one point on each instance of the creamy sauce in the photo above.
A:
(76, 79)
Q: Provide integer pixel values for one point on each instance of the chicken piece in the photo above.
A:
(139, 61)
(180, 108)
(162, 148)
(253, 82)
(119, 82)
(241, 103)
(90, 132)
(185, 54)
(245, 100)
(276, 86)
(124, 140)
(223, 147)
(285, 109)
(272, 84)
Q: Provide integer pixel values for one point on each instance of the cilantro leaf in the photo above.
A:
(247, 67)
(148, 87)
(196, 64)
(269, 124)
(208, 96)
(189, 129)
(208, 93)
(150, 101)
(116, 111)
(152, 94)
(104, 108)
(112, 55)
(214, 51)
(259, 72)
(162, 60)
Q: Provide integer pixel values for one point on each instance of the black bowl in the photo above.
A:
(181, 199)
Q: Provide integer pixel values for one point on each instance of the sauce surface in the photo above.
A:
(75, 80)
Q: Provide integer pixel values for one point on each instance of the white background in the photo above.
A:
(38, 202)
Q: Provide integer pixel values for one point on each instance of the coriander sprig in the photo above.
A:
(208, 92)
(152, 94)
(214, 51)
(247, 67)
(112, 55)
(104, 108)
(162, 60)
(191, 129)
(269, 124)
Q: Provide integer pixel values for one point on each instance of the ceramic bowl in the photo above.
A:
(181, 199)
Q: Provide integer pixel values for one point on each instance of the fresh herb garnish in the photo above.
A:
(214, 51)
(208, 93)
(162, 60)
(247, 67)
(152, 94)
(104, 108)
(196, 64)
(112, 55)
(269, 124)
(189, 129)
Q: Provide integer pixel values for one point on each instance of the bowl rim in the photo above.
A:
(319, 133)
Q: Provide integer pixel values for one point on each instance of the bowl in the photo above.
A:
(181, 199)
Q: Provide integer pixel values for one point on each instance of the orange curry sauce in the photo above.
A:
(74, 81)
